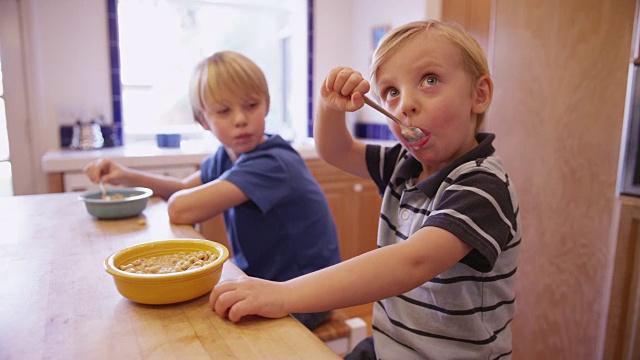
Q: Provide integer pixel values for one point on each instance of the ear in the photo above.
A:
(482, 94)
(268, 106)
(202, 121)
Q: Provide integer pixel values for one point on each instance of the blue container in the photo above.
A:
(168, 140)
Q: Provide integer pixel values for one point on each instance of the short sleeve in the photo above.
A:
(477, 208)
(262, 178)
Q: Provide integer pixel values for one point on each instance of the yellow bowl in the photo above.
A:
(168, 288)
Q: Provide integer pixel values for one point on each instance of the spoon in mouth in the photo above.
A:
(409, 133)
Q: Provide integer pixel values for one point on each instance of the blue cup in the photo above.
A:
(168, 140)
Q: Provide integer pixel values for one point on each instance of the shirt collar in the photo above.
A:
(411, 167)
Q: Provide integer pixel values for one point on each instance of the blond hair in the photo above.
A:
(222, 76)
(473, 57)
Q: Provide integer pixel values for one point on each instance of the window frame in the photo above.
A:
(117, 129)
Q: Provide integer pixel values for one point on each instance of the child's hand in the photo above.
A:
(343, 89)
(108, 171)
(242, 296)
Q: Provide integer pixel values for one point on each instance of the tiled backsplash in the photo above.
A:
(373, 131)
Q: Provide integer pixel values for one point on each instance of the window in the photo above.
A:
(157, 43)
(6, 185)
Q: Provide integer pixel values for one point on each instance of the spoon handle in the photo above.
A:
(382, 110)
(103, 190)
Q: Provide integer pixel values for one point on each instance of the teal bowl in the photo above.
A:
(133, 202)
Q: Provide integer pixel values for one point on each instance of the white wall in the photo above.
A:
(66, 69)
(67, 56)
(378, 13)
(332, 39)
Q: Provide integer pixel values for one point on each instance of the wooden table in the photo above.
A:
(58, 302)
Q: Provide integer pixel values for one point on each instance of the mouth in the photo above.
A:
(243, 137)
(420, 143)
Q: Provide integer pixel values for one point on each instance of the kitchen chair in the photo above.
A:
(341, 333)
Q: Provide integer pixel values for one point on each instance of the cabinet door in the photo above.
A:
(339, 196)
(366, 212)
(214, 230)
(355, 206)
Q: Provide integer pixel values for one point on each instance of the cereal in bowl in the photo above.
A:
(173, 263)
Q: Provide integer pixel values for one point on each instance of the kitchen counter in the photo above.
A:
(64, 166)
(144, 154)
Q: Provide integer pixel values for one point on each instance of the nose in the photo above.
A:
(239, 119)
(408, 107)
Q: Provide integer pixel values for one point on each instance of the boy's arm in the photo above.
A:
(341, 91)
(196, 204)
(112, 172)
(375, 275)
(335, 144)
(163, 186)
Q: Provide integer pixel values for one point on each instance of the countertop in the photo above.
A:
(145, 154)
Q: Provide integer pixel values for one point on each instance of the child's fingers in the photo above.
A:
(340, 77)
(362, 87)
(109, 178)
(346, 81)
(357, 100)
(238, 310)
(214, 295)
(94, 170)
(330, 82)
(227, 295)
(225, 302)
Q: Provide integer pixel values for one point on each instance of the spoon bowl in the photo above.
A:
(409, 133)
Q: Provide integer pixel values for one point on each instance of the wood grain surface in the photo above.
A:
(58, 302)
(560, 74)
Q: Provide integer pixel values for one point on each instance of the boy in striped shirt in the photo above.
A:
(442, 278)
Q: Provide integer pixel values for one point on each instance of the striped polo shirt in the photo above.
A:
(465, 312)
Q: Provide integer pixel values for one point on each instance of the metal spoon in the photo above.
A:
(102, 189)
(409, 133)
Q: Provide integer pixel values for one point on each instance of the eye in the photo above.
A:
(430, 80)
(252, 105)
(222, 111)
(391, 93)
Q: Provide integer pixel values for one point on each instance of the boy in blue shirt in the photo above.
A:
(277, 218)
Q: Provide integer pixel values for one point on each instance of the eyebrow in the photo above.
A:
(419, 65)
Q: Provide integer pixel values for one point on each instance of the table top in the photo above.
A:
(58, 302)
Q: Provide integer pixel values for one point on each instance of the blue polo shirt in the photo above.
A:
(286, 229)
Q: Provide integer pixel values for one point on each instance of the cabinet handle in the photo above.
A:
(357, 187)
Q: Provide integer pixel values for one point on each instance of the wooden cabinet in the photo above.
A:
(355, 206)
(622, 339)
(214, 229)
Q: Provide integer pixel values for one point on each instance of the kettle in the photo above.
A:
(86, 136)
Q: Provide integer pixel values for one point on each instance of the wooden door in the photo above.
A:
(560, 74)
(473, 15)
